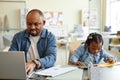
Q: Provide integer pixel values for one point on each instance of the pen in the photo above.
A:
(90, 61)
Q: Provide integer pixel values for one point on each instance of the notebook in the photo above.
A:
(12, 65)
(55, 71)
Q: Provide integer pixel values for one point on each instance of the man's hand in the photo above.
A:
(30, 67)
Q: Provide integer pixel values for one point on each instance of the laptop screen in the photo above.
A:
(12, 65)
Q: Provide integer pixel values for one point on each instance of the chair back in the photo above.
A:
(73, 46)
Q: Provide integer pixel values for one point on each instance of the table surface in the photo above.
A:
(72, 75)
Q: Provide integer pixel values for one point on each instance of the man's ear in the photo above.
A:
(44, 22)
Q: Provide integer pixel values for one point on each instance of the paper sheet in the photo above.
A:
(55, 71)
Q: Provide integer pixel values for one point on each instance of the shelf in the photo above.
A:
(108, 33)
(114, 45)
(94, 28)
(11, 29)
(12, 0)
(111, 36)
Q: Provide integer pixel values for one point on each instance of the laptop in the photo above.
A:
(12, 65)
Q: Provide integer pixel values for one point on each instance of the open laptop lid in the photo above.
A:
(12, 65)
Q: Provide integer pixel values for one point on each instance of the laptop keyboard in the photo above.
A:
(34, 76)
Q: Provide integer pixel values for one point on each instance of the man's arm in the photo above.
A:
(50, 53)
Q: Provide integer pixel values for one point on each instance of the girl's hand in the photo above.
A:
(79, 63)
(110, 60)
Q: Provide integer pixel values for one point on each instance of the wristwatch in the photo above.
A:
(36, 61)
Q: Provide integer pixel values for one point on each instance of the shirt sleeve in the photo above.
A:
(77, 54)
(106, 55)
(14, 45)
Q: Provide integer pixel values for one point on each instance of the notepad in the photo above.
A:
(55, 71)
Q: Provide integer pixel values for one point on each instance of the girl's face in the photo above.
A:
(94, 47)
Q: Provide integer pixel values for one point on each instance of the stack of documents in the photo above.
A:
(55, 71)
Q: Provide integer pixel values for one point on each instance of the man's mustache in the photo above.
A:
(33, 30)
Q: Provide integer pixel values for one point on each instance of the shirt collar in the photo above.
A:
(98, 54)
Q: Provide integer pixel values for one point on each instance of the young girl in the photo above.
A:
(91, 51)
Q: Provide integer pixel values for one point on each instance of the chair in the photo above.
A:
(115, 42)
(7, 40)
(73, 46)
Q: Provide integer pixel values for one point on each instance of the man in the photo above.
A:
(38, 44)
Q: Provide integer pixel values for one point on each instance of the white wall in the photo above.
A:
(12, 10)
(70, 8)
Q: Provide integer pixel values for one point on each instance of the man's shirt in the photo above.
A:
(46, 46)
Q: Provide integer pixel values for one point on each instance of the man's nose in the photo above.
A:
(32, 26)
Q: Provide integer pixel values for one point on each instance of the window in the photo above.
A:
(113, 15)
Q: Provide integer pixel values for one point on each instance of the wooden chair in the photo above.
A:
(73, 46)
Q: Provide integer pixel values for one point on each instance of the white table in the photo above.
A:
(105, 73)
(73, 75)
